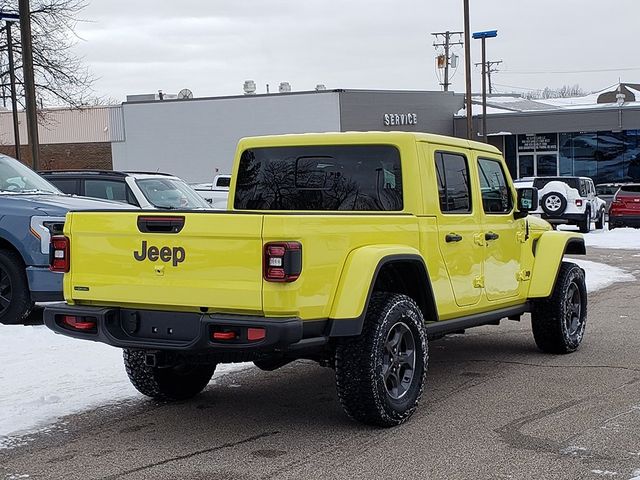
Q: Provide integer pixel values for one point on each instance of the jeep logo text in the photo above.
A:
(174, 255)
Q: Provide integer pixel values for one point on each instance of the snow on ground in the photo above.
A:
(600, 275)
(624, 238)
(44, 376)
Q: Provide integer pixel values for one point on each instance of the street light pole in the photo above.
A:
(483, 36)
(29, 82)
(467, 69)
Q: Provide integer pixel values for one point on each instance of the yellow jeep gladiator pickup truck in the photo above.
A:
(351, 249)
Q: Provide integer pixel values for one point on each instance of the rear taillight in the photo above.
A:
(59, 254)
(282, 261)
(83, 324)
(578, 202)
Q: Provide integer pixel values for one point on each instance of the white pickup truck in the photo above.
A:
(216, 193)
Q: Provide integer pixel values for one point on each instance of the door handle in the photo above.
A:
(452, 237)
(491, 236)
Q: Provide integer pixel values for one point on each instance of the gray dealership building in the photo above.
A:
(596, 136)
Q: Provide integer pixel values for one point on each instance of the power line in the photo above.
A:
(597, 70)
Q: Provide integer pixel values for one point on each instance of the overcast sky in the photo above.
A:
(213, 46)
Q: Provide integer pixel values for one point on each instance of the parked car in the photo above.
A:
(606, 192)
(567, 200)
(625, 208)
(32, 211)
(142, 189)
(216, 193)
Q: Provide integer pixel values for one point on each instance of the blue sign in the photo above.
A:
(487, 34)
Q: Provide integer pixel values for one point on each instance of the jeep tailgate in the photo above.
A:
(186, 261)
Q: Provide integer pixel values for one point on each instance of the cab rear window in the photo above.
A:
(322, 177)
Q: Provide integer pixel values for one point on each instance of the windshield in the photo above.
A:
(170, 193)
(18, 178)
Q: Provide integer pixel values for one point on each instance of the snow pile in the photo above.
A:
(45, 376)
(623, 238)
(600, 275)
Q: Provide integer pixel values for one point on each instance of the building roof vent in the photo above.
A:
(284, 87)
(320, 87)
(249, 87)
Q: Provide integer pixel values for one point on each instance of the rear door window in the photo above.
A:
(108, 189)
(322, 177)
(454, 192)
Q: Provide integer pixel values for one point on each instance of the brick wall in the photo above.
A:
(63, 156)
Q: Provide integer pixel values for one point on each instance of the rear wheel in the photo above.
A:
(176, 382)
(380, 374)
(558, 322)
(15, 300)
(585, 223)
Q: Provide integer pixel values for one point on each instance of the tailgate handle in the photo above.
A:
(160, 224)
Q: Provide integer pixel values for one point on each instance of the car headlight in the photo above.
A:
(43, 228)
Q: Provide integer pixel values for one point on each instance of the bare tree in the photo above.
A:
(563, 92)
(61, 76)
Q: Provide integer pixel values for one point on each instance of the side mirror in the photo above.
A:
(527, 201)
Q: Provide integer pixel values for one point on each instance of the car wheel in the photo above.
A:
(585, 223)
(177, 382)
(15, 299)
(554, 204)
(559, 322)
(600, 221)
(380, 374)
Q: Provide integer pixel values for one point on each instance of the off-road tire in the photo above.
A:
(552, 199)
(553, 330)
(166, 383)
(361, 363)
(15, 299)
(585, 224)
(600, 221)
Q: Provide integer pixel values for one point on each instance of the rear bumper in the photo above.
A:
(627, 220)
(564, 218)
(186, 332)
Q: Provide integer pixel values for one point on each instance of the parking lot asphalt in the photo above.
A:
(494, 408)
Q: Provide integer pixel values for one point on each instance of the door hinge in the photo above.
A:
(521, 236)
(478, 282)
(478, 239)
(524, 275)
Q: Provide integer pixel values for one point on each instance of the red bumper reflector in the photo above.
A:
(255, 334)
(78, 323)
(224, 335)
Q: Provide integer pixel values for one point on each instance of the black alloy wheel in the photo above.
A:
(399, 360)
(573, 310)
(6, 291)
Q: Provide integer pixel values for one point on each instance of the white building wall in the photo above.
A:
(193, 138)
(65, 125)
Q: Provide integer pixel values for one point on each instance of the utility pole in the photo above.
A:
(490, 70)
(467, 69)
(447, 44)
(483, 37)
(29, 82)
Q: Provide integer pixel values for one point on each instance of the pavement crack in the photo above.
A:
(192, 454)
(540, 365)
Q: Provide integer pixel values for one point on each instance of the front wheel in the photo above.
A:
(600, 221)
(177, 382)
(15, 300)
(558, 322)
(380, 374)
